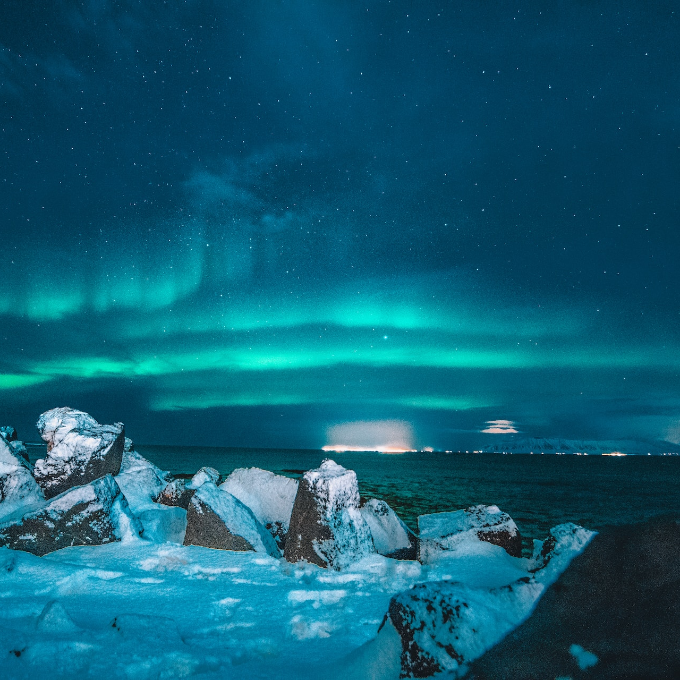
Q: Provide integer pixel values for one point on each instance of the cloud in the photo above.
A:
(500, 427)
(370, 435)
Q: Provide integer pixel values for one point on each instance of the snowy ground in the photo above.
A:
(142, 610)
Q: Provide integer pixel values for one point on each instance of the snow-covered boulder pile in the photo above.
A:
(326, 526)
(269, 496)
(614, 613)
(445, 625)
(18, 488)
(216, 519)
(443, 531)
(391, 537)
(79, 450)
(205, 474)
(92, 514)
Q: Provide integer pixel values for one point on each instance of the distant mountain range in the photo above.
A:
(574, 446)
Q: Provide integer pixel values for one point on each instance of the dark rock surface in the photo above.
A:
(326, 526)
(92, 514)
(79, 450)
(206, 528)
(618, 601)
(216, 519)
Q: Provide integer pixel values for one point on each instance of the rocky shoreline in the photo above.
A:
(92, 488)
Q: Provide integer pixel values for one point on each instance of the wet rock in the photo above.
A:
(326, 527)
(269, 496)
(391, 537)
(216, 519)
(443, 531)
(79, 450)
(92, 514)
(613, 614)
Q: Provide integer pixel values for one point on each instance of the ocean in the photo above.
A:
(537, 491)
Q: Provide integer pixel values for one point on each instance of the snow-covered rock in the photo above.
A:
(444, 625)
(18, 488)
(141, 483)
(176, 494)
(269, 496)
(9, 435)
(91, 514)
(79, 450)
(216, 519)
(326, 526)
(391, 537)
(205, 474)
(442, 531)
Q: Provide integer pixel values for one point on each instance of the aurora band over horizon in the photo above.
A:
(250, 227)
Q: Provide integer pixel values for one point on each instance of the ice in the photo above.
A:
(205, 474)
(584, 658)
(18, 488)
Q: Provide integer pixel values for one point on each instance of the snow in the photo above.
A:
(584, 658)
(141, 610)
(269, 496)
(205, 474)
(55, 424)
(389, 532)
(18, 488)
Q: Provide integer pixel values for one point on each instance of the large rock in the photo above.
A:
(216, 519)
(9, 435)
(18, 488)
(444, 625)
(443, 531)
(326, 527)
(613, 614)
(176, 494)
(92, 514)
(269, 496)
(79, 450)
(391, 537)
(205, 474)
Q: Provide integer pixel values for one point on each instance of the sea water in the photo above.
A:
(537, 491)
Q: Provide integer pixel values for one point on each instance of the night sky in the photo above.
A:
(252, 223)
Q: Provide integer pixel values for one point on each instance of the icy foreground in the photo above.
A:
(140, 575)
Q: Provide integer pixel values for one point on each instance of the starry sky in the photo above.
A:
(255, 224)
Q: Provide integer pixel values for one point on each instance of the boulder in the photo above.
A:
(176, 494)
(205, 474)
(391, 537)
(444, 531)
(613, 614)
(269, 496)
(9, 435)
(92, 514)
(326, 527)
(445, 625)
(216, 519)
(79, 450)
(18, 488)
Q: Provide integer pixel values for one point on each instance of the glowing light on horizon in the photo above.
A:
(385, 436)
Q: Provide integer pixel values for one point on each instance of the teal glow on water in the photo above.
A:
(537, 491)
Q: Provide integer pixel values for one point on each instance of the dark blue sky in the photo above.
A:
(249, 223)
